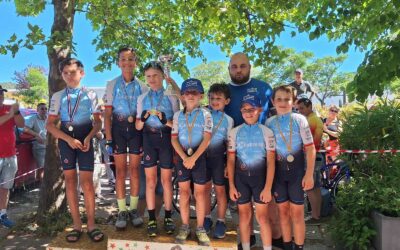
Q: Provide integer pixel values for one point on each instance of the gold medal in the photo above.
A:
(189, 151)
(130, 119)
(153, 112)
(290, 158)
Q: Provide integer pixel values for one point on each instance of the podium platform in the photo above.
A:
(137, 239)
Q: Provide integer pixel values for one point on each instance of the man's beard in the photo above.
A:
(240, 80)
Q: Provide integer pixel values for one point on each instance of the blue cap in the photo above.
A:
(192, 84)
(251, 99)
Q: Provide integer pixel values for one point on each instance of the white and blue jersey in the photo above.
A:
(157, 100)
(122, 96)
(84, 109)
(301, 135)
(202, 124)
(250, 143)
(255, 87)
(222, 124)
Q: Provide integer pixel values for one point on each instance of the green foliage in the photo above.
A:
(372, 26)
(375, 177)
(212, 72)
(32, 85)
(29, 7)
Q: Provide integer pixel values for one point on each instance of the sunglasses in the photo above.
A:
(334, 111)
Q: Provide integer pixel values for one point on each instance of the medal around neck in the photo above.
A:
(189, 151)
(290, 158)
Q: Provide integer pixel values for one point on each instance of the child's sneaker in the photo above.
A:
(169, 226)
(207, 224)
(5, 221)
(202, 237)
(152, 228)
(121, 220)
(137, 221)
(183, 234)
(220, 229)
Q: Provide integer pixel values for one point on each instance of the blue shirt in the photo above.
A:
(251, 143)
(157, 100)
(122, 96)
(222, 124)
(256, 87)
(202, 124)
(84, 110)
(301, 133)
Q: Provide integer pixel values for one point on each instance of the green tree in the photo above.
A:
(32, 85)
(212, 72)
(372, 26)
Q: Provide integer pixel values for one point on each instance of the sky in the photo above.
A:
(10, 23)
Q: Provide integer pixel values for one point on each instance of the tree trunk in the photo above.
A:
(344, 97)
(52, 199)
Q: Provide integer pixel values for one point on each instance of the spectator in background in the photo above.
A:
(316, 126)
(301, 86)
(36, 126)
(332, 127)
(10, 117)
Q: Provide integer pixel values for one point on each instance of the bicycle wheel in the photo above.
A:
(192, 201)
(341, 183)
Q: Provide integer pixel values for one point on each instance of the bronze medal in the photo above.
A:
(290, 158)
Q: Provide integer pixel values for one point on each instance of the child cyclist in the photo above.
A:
(155, 111)
(191, 135)
(251, 167)
(74, 108)
(293, 139)
(218, 97)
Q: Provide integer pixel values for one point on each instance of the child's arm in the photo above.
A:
(174, 138)
(230, 163)
(96, 128)
(308, 180)
(57, 133)
(270, 143)
(190, 161)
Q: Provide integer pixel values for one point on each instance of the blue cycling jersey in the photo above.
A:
(202, 123)
(255, 87)
(157, 100)
(301, 133)
(251, 143)
(222, 124)
(64, 102)
(122, 96)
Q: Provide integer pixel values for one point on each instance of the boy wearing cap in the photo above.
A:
(74, 107)
(293, 139)
(218, 98)
(251, 167)
(191, 135)
(10, 117)
(155, 110)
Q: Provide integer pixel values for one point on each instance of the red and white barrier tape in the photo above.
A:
(22, 175)
(359, 151)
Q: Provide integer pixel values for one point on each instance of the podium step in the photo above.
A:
(137, 239)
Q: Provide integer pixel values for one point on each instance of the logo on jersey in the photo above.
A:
(147, 158)
(66, 161)
(252, 90)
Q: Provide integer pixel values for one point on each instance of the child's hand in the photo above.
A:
(74, 143)
(189, 162)
(266, 195)
(86, 144)
(308, 182)
(226, 172)
(233, 193)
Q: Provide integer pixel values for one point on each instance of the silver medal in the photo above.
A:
(190, 151)
(290, 158)
(70, 128)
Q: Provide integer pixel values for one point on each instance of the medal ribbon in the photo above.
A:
(158, 102)
(288, 146)
(190, 126)
(215, 128)
(126, 95)
(72, 113)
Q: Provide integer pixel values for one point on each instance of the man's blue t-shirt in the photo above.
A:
(256, 87)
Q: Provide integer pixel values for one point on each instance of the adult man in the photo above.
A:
(241, 85)
(36, 126)
(316, 126)
(301, 86)
(10, 117)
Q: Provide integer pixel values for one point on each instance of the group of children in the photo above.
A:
(261, 162)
